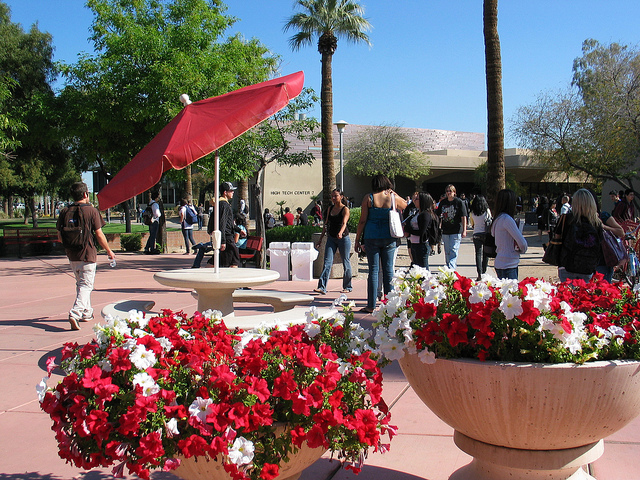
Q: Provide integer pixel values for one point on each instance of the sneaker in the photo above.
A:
(74, 324)
(320, 291)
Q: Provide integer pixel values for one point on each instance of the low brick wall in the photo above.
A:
(175, 240)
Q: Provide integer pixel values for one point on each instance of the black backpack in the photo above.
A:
(73, 232)
(581, 249)
(147, 215)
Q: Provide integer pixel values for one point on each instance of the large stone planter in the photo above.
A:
(528, 421)
(207, 469)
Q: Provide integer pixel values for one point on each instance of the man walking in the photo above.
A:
(229, 255)
(76, 227)
(453, 214)
(154, 226)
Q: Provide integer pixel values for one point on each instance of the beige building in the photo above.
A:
(453, 157)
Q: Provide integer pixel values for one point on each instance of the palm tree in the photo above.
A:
(495, 124)
(328, 20)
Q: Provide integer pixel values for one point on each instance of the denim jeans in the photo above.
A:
(153, 233)
(606, 271)
(420, 254)
(343, 245)
(563, 275)
(187, 233)
(202, 248)
(451, 247)
(507, 273)
(380, 251)
(85, 274)
(481, 259)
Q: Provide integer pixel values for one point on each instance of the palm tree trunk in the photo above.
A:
(326, 101)
(495, 124)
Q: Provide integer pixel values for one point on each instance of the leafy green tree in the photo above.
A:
(26, 60)
(591, 127)
(271, 141)
(385, 150)
(149, 52)
(495, 123)
(328, 20)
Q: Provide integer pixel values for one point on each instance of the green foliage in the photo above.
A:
(354, 218)
(149, 53)
(29, 114)
(131, 242)
(292, 233)
(592, 126)
(385, 150)
(481, 179)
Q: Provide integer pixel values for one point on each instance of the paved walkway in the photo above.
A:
(36, 293)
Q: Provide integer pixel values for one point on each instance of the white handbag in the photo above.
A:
(395, 223)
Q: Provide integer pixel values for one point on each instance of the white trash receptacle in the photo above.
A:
(303, 255)
(279, 258)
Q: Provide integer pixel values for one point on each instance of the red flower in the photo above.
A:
(454, 328)
(269, 471)
(424, 310)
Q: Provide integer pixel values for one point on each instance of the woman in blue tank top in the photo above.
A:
(379, 245)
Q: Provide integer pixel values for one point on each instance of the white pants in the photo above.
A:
(85, 274)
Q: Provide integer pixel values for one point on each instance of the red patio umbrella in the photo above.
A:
(199, 129)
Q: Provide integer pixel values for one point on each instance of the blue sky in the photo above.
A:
(425, 68)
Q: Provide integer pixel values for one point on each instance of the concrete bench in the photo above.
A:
(280, 301)
(121, 309)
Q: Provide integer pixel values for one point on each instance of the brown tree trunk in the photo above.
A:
(243, 194)
(495, 123)
(188, 191)
(328, 154)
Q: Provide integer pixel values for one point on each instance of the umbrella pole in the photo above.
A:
(216, 219)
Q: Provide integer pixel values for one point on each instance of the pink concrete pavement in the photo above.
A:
(36, 293)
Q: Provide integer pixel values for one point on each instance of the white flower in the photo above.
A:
(479, 293)
(511, 306)
(617, 331)
(241, 452)
(200, 408)
(172, 426)
(391, 349)
(212, 314)
(142, 358)
(312, 329)
(138, 318)
(148, 384)
(165, 343)
(41, 388)
(427, 356)
(105, 365)
(508, 286)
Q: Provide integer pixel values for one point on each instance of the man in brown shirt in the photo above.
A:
(81, 250)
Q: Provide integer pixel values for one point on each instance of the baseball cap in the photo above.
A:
(227, 187)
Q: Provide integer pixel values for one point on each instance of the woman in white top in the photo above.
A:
(480, 219)
(509, 240)
(187, 228)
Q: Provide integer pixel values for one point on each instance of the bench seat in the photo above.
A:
(280, 301)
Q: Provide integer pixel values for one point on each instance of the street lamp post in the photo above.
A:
(341, 124)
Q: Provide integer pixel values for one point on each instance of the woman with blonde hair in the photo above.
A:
(581, 237)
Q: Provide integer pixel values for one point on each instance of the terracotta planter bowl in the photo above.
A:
(529, 406)
(206, 469)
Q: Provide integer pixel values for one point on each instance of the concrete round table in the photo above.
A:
(215, 290)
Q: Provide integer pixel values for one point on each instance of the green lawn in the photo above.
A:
(116, 227)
